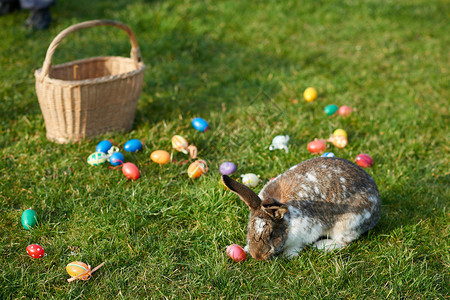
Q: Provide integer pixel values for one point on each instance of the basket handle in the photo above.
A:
(135, 52)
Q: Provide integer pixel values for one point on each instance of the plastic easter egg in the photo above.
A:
(78, 268)
(97, 158)
(161, 157)
(200, 124)
(180, 144)
(236, 253)
(116, 159)
(316, 146)
(340, 132)
(35, 251)
(280, 142)
(227, 168)
(328, 154)
(29, 219)
(339, 141)
(364, 160)
(103, 146)
(130, 171)
(250, 179)
(310, 94)
(345, 111)
(330, 109)
(133, 145)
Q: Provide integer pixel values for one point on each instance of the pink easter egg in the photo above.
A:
(364, 160)
(316, 146)
(130, 171)
(236, 253)
(345, 111)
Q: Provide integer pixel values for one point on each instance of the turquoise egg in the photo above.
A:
(103, 146)
(133, 145)
(331, 109)
(200, 124)
(97, 158)
(29, 219)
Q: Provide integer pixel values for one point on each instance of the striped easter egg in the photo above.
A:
(364, 160)
(77, 268)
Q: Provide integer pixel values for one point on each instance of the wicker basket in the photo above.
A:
(89, 97)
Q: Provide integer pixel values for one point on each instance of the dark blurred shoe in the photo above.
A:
(8, 7)
(39, 19)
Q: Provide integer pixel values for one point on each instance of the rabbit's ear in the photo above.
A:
(273, 208)
(245, 193)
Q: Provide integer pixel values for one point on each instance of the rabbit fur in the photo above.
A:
(324, 201)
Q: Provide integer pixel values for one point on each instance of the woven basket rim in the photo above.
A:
(102, 79)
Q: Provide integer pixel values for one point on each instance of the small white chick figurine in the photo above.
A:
(280, 142)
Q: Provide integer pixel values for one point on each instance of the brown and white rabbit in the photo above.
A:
(325, 201)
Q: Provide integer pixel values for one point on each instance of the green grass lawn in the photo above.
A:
(240, 65)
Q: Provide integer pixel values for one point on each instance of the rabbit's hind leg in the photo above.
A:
(328, 245)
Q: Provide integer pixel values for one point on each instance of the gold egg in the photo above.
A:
(161, 157)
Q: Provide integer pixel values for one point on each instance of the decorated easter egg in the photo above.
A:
(103, 146)
(161, 157)
(316, 146)
(310, 94)
(250, 179)
(97, 158)
(133, 145)
(78, 268)
(29, 219)
(364, 160)
(345, 111)
(328, 154)
(340, 132)
(35, 251)
(130, 171)
(330, 109)
(236, 253)
(200, 124)
(116, 159)
(339, 141)
(227, 168)
(180, 144)
(197, 168)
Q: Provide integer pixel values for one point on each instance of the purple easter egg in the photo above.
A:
(227, 168)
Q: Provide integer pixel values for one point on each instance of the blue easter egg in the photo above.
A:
(200, 124)
(331, 109)
(103, 146)
(133, 145)
(328, 154)
(116, 159)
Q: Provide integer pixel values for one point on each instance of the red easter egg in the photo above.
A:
(345, 111)
(130, 171)
(364, 160)
(316, 146)
(236, 253)
(35, 251)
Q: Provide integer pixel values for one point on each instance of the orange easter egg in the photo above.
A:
(160, 157)
(77, 268)
(197, 168)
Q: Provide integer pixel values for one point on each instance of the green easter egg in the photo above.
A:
(29, 219)
(331, 109)
(97, 158)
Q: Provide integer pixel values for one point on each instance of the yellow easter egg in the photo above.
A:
(179, 143)
(310, 94)
(77, 268)
(161, 157)
(340, 132)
